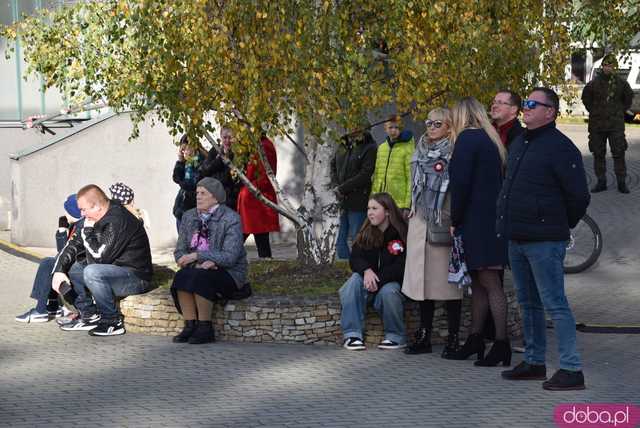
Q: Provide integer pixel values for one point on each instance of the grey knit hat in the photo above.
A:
(214, 187)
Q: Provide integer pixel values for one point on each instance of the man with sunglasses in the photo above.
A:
(544, 194)
(606, 98)
(504, 111)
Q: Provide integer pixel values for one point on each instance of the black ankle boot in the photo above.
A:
(500, 353)
(452, 347)
(622, 185)
(421, 343)
(203, 333)
(600, 186)
(473, 345)
(187, 331)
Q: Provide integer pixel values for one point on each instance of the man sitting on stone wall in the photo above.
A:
(118, 257)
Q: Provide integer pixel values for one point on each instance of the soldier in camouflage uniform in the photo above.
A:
(606, 98)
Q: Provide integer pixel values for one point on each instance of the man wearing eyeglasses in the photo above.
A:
(606, 98)
(505, 108)
(544, 194)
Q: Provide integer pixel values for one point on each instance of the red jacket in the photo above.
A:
(256, 216)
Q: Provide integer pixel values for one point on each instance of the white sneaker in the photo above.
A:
(390, 344)
(354, 344)
(33, 316)
(80, 324)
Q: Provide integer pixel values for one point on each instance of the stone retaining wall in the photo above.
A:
(285, 319)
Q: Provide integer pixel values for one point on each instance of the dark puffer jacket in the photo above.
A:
(388, 266)
(118, 239)
(606, 98)
(545, 192)
(351, 171)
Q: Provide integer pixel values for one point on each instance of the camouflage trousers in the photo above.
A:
(598, 146)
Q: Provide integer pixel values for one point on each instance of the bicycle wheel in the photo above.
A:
(584, 246)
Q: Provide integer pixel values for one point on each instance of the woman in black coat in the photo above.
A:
(476, 178)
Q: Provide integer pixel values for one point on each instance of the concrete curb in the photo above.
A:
(18, 251)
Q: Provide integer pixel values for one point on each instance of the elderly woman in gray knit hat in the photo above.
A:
(210, 252)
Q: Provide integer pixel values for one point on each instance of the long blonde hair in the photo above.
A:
(469, 113)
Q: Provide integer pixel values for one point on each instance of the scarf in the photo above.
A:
(458, 272)
(191, 166)
(430, 168)
(200, 238)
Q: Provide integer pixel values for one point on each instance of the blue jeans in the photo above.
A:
(539, 282)
(106, 282)
(350, 224)
(42, 291)
(388, 302)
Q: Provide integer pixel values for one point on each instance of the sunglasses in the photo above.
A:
(532, 104)
(435, 123)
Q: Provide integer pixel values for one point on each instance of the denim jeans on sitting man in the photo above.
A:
(42, 291)
(350, 224)
(538, 275)
(388, 302)
(107, 283)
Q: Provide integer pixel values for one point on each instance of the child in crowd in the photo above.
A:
(377, 261)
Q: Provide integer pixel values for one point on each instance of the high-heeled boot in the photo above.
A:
(203, 334)
(187, 331)
(452, 346)
(473, 345)
(500, 353)
(421, 343)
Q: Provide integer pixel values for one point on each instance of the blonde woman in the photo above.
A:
(427, 266)
(476, 178)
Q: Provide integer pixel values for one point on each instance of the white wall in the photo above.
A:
(102, 155)
(41, 181)
(12, 140)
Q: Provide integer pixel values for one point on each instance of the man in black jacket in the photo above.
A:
(117, 253)
(351, 171)
(544, 194)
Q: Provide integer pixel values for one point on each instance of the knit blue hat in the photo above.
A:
(71, 206)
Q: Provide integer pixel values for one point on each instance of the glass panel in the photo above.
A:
(51, 4)
(52, 101)
(31, 95)
(26, 7)
(6, 13)
(9, 93)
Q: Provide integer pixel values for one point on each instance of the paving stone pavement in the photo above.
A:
(54, 378)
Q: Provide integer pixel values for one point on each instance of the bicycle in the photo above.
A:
(584, 246)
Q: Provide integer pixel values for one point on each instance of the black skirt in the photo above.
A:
(212, 284)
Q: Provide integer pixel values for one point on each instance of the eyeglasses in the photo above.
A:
(500, 103)
(532, 104)
(435, 123)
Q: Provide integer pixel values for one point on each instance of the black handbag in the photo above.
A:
(439, 235)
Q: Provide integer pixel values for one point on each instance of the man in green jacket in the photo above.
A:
(606, 98)
(392, 173)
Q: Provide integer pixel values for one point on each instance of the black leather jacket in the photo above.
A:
(118, 239)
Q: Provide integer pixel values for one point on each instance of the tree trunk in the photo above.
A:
(317, 238)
